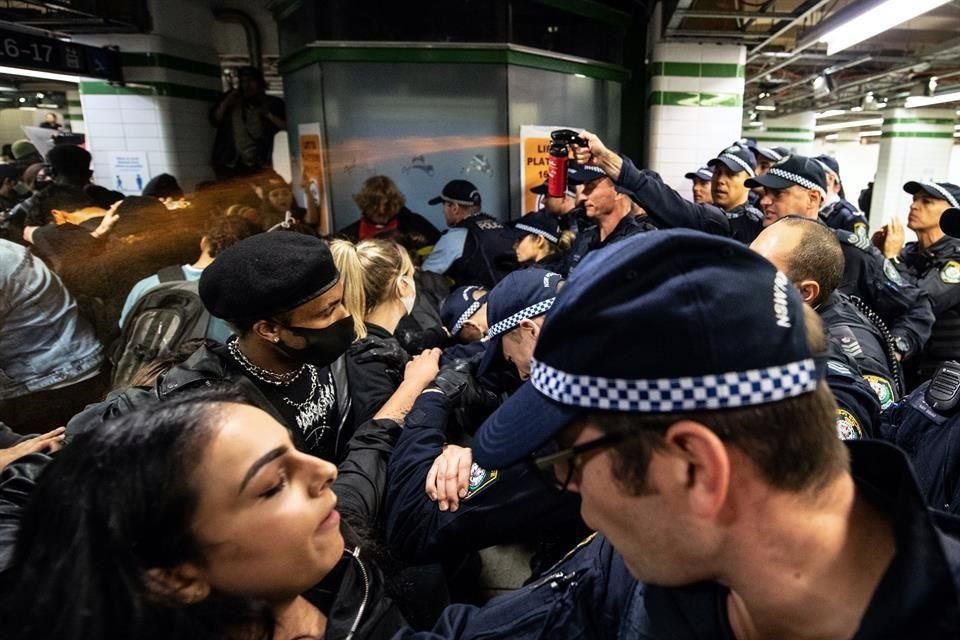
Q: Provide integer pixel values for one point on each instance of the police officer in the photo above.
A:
(810, 256)
(476, 249)
(611, 210)
(566, 209)
(766, 156)
(701, 179)
(837, 212)
(933, 263)
(796, 185)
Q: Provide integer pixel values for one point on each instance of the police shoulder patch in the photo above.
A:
(950, 272)
(883, 389)
(860, 230)
(891, 272)
(480, 479)
(848, 427)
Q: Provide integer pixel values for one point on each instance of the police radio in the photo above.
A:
(943, 393)
(559, 156)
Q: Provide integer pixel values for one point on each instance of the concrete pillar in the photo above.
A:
(172, 78)
(915, 145)
(795, 132)
(858, 162)
(74, 112)
(696, 106)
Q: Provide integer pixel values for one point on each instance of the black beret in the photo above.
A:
(267, 274)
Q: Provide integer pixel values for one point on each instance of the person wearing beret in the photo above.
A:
(837, 212)
(932, 263)
(795, 185)
(705, 451)
(282, 295)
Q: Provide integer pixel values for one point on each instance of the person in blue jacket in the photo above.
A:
(705, 450)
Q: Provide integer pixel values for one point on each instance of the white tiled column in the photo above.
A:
(74, 118)
(696, 106)
(795, 132)
(172, 79)
(915, 145)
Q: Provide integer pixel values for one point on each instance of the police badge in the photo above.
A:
(848, 427)
(883, 389)
(480, 479)
(950, 272)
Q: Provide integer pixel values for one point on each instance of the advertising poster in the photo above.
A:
(316, 190)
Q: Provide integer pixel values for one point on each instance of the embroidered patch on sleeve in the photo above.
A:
(848, 427)
(950, 272)
(480, 479)
(883, 389)
(891, 272)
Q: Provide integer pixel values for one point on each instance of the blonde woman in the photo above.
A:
(378, 292)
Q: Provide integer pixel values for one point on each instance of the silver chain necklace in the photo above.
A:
(264, 375)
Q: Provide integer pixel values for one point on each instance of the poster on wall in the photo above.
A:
(129, 172)
(534, 151)
(316, 189)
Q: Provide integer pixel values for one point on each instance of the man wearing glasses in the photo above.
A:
(704, 449)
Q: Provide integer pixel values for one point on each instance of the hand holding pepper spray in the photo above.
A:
(559, 156)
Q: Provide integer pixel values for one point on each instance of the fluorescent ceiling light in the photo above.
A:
(829, 113)
(46, 75)
(867, 134)
(28, 108)
(7, 88)
(44, 105)
(831, 137)
(765, 107)
(880, 18)
(925, 101)
(853, 124)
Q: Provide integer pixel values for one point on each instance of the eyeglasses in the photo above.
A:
(547, 464)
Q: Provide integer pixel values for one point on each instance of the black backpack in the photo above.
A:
(167, 316)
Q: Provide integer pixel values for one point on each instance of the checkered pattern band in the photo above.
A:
(540, 232)
(512, 321)
(740, 161)
(946, 194)
(800, 180)
(670, 395)
(472, 309)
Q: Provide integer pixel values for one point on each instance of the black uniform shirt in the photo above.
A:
(936, 270)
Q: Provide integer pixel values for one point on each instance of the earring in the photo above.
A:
(277, 339)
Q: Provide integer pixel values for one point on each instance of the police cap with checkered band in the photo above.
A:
(667, 322)
(736, 158)
(521, 295)
(792, 171)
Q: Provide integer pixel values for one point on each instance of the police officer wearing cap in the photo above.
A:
(933, 263)
(611, 210)
(566, 209)
(767, 156)
(705, 451)
(476, 249)
(836, 212)
(796, 185)
(701, 179)
(542, 243)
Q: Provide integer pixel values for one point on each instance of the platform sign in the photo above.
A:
(39, 53)
(534, 151)
(129, 172)
(313, 172)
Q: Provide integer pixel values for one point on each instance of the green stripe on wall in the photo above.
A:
(466, 55)
(698, 70)
(916, 134)
(167, 89)
(887, 121)
(166, 61)
(73, 103)
(695, 99)
(74, 116)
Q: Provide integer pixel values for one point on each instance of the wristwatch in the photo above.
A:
(902, 345)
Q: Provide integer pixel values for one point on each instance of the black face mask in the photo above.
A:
(324, 346)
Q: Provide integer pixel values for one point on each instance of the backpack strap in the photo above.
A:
(173, 273)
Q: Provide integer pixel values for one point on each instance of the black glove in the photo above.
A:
(453, 379)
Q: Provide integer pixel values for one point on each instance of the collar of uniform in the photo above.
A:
(920, 577)
(626, 225)
(945, 247)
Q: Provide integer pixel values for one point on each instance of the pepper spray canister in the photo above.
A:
(557, 169)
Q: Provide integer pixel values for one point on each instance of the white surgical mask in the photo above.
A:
(409, 300)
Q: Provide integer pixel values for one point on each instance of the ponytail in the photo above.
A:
(565, 242)
(351, 274)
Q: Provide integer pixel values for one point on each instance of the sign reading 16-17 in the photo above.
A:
(28, 51)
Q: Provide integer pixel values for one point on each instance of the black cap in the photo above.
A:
(69, 160)
(737, 158)
(541, 189)
(940, 190)
(541, 223)
(458, 191)
(584, 174)
(829, 164)
(792, 170)
(772, 153)
(703, 173)
(267, 274)
(697, 351)
(459, 306)
(163, 186)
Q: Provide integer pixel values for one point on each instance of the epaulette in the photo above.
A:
(859, 241)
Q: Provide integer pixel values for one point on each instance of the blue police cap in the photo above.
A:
(666, 322)
(736, 158)
(703, 173)
(541, 223)
(459, 306)
(790, 171)
(772, 153)
(940, 190)
(523, 294)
